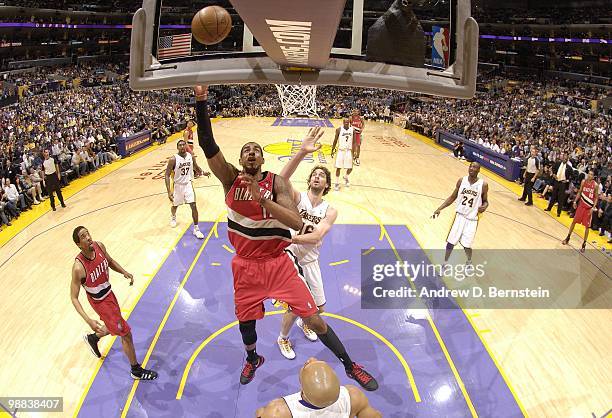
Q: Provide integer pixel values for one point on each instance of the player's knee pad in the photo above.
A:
(247, 330)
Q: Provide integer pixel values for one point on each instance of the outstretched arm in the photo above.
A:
(309, 145)
(451, 199)
(223, 170)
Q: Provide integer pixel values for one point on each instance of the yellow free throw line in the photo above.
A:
(128, 402)
(337, 263)
(130, 310)
(417, 397)
(228, 249)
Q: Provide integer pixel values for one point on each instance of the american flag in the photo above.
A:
(174, 46)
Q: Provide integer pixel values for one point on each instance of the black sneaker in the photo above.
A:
(143, 374)
(248, 371)
(365, 379)
(92, 343)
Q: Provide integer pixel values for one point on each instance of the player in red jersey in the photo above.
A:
(358, 124)
(90, 270)
(588, 195)
(260, 212)
(188, 136)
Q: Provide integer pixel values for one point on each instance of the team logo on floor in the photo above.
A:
(290, 147)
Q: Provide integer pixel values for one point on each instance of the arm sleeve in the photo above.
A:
(205, 133)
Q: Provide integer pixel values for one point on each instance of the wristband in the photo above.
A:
(261, 200)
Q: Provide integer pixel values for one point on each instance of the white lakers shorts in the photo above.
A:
(463, 231)
(312, 274)
(344, 159)
(183, 193)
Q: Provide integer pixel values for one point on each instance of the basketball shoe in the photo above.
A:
(92, 343)
(285, 348)
(138, 373)
(173, 221)
(248, 371)
(365, 379)
(308, 333)
(198, 234)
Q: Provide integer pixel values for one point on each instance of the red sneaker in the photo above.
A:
(248, 371)
(365, 379)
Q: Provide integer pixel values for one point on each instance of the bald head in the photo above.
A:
(320, 385)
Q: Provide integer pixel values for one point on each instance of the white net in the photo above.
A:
(298, 100)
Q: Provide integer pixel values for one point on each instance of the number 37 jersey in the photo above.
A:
(469, 198)
(312, 216)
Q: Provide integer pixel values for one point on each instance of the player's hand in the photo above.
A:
(251, 183)
(310, 142)
(435, 214)
(129, 276)
(95, 326)
(206, 173)
(201, 92)
(198, 172)
(333, 153)
(574, 205)
(481, 209)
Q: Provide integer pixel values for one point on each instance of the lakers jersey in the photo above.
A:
(312, 216)
(469, 198)
(301, 409)
(183, 169)
(345, 138)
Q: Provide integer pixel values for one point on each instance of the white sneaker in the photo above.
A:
(308, 333)
(337, 187)
(285, 348)
(346, 182)
(198, 234)
(173, 222)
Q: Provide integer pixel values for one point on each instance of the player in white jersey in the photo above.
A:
(183, 166)
(471, 197)
(345, 140)
(318, 218)
(321, 396)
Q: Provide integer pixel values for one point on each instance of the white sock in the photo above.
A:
(196, 227)
(284, 337)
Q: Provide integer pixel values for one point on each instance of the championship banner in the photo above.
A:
(440, 47)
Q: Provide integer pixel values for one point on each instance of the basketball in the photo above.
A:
(211, 25)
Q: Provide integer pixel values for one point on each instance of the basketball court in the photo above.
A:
(469, 361)
(429, 363)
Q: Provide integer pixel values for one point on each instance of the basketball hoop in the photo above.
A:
(298, 100)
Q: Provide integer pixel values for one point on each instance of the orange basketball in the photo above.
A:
(211, 25)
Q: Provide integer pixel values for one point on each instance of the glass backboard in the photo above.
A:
(422, 45)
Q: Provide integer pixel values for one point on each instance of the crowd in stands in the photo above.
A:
(79, 127)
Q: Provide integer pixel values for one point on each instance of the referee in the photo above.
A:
(52, 179)
(531, 174)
